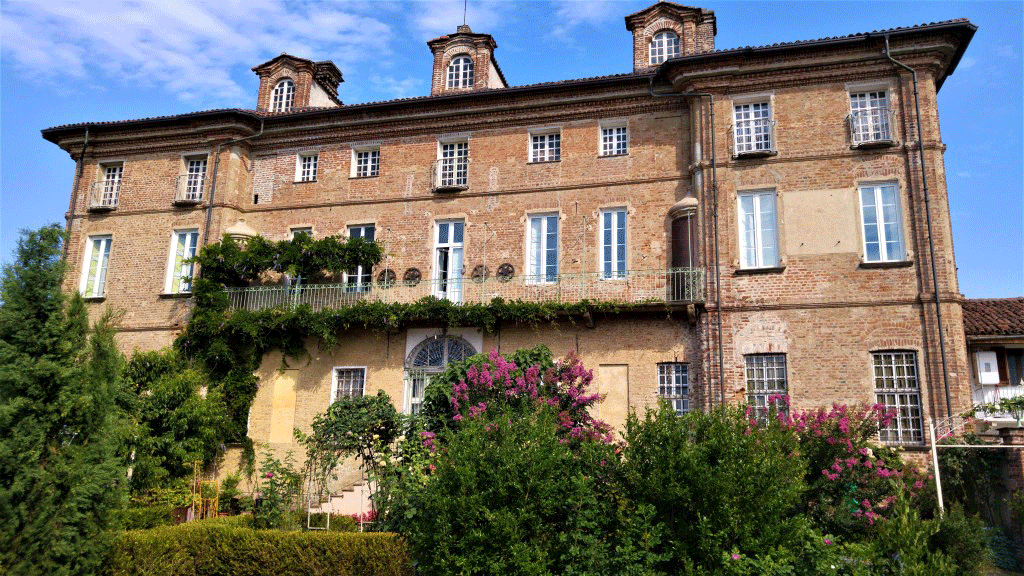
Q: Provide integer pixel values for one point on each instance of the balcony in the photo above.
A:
(103, 195)
(675, 286)
(992, 395)
(871, 128)
(188, 189)
(449, 174)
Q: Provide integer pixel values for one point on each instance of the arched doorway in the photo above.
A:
(431, 357)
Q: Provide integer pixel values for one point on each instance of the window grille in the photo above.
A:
(897, 388)
(674, 385)
(348, 383)
(870, 118)
(766, 383)
(753, 128)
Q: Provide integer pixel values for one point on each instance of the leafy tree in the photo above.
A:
(61, 477)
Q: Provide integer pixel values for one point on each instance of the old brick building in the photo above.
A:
(772, 199)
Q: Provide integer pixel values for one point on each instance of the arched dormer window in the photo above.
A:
(428, 358)
(283, 97)
(460, 72)
(664, 45)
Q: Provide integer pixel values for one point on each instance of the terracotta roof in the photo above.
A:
(993, 316)
(850, 36)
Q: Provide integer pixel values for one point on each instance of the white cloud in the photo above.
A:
(440, 17)
(395, 88)
(967, 62)
(572, 14)
(188, 49)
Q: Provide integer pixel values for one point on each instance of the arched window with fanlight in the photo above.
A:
(460, 72)
(283, 97)
(664, 45)
(428, 358)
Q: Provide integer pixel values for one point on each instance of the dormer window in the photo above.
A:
(664, 45)
(460, 72)
(283, 97)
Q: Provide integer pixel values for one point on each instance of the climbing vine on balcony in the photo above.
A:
(230, 343)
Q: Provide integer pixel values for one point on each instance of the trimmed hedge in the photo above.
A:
(196, 549)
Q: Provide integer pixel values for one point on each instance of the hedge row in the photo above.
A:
(196, 549)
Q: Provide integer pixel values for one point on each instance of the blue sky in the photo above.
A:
(96, 60)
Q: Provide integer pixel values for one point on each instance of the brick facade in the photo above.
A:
(823, 304)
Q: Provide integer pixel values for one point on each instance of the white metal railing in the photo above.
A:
(871, 126)
(450, 174)
(678, 285)
(754, 136)
(104, 194)
(992, 395)
(189, 188)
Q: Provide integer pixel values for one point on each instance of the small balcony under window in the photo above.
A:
(450, 174)
(753, 138)
(103, 196)
(189, 189)
(871, 128)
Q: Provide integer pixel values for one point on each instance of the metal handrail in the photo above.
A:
(449, 174)
(871, 126)
(189, 188)
(104, 194)
(677, 285)
(757, 125)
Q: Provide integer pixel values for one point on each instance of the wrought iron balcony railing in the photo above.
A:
(991, 395)
(871, 127)
(188, 189)
(450, 174)
(103, 195)
(754, 137)
(678, 285)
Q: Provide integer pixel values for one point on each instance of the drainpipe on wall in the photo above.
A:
(928, 219)
(714, 190)
(213, 184)
(74, 191)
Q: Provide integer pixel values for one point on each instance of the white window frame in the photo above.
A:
(358, 279)
(460, 72)
(766, 375)
(113, 175)
(334, 382)
(94, 285)
(177, 268)
(613, 257)
(753, 125)
(762, 258)
(674, 385)
(282, 98)
(307, 166)
(295, 231)
(448, 274)
(664, 45)
(453, 163)
(873, 217)
(365, 161)
(195, 176)
(613, 138)
(538, 248)
(545, 145)
(899, 389)
(423, 373)
(870, 115)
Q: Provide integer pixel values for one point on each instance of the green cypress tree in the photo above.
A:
(61, 476)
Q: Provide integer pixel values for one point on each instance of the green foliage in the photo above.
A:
(1000, 549)
(973, 477)
(508, 495)
(1014, 405)
(279, 489)
(62, 463)
(902, 544)
(962, 538)
(146, 517)
(351, 427)
(716, 483)
(201, 548)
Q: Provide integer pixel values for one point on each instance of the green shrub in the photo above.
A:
(201, 548)
(1000, 549)
(962, 538)
(716, 483)
(146, 517)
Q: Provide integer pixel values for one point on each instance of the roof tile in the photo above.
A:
(993, 316)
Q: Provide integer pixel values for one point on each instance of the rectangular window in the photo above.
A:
(766, 383)
(546, 147)
(305, 169)
(674, 385)
(110, 188)
(883, 226)
(179, 269)
(613, 243)
(897, 388)
(870, 117)
(417, 380)
(366, 162)
(347, 383)
(759, 243)
(453, 165)
(307, 230)
(753, 128)
(614, 140)
(543, 266)
(94, 267)
(360, 278)
(448, 242)
(195, 178)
